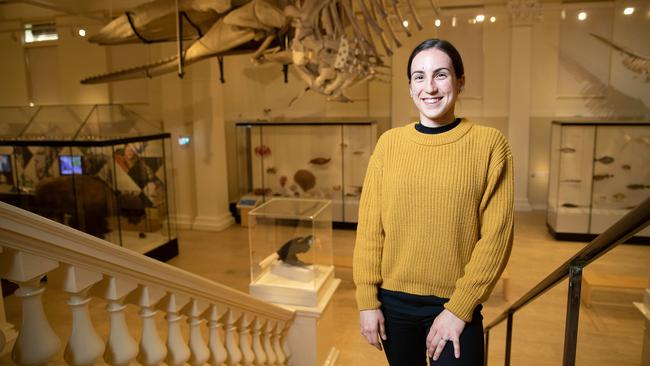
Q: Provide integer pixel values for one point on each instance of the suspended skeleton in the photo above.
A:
(631, 60)
(330, 49)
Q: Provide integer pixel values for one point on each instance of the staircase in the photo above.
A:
(42, 256)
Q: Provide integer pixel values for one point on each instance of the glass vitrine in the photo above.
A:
(101, 169)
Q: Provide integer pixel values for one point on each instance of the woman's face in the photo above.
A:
(434, 87)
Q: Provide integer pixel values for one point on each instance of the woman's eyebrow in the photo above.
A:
(434, 71)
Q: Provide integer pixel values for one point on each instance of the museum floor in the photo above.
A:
(610, 331)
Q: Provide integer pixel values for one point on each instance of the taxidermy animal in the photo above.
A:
(82, 202)
(631, 60)
(332, 44)
(289, 250)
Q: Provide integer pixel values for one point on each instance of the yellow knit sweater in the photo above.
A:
(436, 216)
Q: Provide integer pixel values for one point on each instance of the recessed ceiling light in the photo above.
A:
(582, 15)
(437, 22)
(31, 104)
(480, 18)
(628, 11)
(82, 32)
(493, 19)
(453, 21)
(405, 23)
(563, 14)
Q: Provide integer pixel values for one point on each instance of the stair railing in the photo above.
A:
(242, 330)
(633, 222)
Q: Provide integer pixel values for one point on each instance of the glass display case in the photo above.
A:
(306, 159)
(101, 169)
(291, 250)
(599, 171)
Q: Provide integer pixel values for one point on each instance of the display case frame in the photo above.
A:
(599, 170)
(306, 158)
(101, 169)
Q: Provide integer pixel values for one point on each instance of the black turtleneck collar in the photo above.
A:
(435, 130)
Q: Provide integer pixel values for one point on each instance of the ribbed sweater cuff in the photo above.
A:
(462, 305)
(367, 297)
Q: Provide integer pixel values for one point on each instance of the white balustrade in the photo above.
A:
(277, 344)
(84, 346)
(36, 343)
(258, 349)
(232, 348)
(121, 347)
(177, 350)
(218, 353)
(244, 340)
(267, 333)
(152, 349)
(198, 349)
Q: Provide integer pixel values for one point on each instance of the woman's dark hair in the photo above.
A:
(442, 45)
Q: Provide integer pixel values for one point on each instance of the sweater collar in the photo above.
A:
(437, 139)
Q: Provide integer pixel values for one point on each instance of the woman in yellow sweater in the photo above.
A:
(435, 223)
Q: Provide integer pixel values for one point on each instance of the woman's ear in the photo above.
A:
(461, 84)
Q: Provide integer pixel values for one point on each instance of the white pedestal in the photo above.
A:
(274, 286)
(311, 336)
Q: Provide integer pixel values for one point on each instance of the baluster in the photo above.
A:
(198, 349)
(8, 334)
(177, 350)
(234, 354)
(84, 345)
(36, 343)
(285, 343)
(277, 344)
(271, 359)
(152, 349)
(218, 353)
(244, 340)
(121, 347)
(258, 349)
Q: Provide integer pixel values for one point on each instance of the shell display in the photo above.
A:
(605, 160)
(305, 179)
(320, 161)
(263, 150)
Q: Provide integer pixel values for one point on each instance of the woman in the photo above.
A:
(435, 223)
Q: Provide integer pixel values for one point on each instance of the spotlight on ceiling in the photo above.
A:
(480, 18)
(453, 21)
(493, 19)
(437, 22)
(406, 23)
(582, 15)
(628, 11)
(82, 32)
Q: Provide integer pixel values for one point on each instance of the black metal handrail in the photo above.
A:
(625, 228)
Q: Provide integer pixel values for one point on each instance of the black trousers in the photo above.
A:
(408, 319)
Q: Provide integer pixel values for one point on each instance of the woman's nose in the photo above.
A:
(430, 86)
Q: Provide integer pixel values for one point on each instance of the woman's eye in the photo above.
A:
(418, 77)
(441, 76)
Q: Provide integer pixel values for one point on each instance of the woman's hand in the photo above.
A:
(446, 327)
(372, 326)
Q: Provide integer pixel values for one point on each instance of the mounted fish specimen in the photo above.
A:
(263, 150)
(336, 187)
(631, 60)
(626, 167)
(357, 152)
(598, 177)
(271, 170)
(570, 205)
(570, 181)
(638, 186)
(320, 161)
(567, 150)
(605, 160)
(332, 44)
